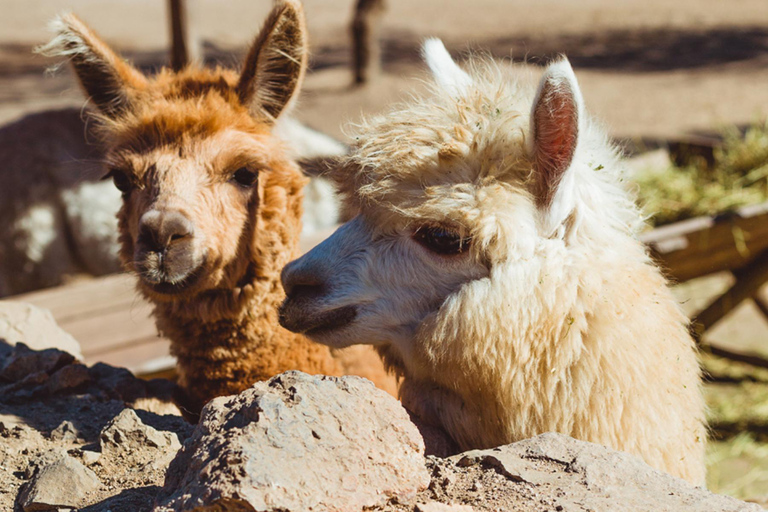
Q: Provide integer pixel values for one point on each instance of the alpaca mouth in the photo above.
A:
(296, 319)
(167, 285)
(175, 287)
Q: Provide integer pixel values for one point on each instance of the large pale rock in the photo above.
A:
(571, 475)
(35, 327)
(297, 443)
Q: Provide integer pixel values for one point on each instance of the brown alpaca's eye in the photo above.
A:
(245, 177)
(441, 240)
(121, 180)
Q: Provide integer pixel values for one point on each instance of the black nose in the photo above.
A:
(300, 284)
(159, 229)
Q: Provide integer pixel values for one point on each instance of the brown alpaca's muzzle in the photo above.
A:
(166, 256)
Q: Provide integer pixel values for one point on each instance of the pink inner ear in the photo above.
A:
(556, 125)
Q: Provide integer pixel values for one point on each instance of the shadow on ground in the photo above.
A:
(621, 50)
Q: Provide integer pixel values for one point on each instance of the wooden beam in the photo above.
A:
(705, 245)
(740, 357)
(749, 280)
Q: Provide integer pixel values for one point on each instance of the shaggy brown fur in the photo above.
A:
(178, 146)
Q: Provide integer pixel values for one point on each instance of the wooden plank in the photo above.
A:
(85, 298)
(112, 330)
(107, 316)
(704, 245)
(135, 357)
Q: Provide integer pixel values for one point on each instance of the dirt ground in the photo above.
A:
(652, 70)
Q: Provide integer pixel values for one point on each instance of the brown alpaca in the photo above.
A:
(211, 201)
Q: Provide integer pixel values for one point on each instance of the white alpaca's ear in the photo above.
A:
(106, 78)
(445, 71)
(555, 126)
(274, 68)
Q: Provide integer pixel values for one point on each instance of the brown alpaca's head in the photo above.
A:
(202, 176)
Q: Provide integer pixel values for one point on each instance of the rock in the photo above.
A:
(505, 463)
(68, 378)
(63, 483)
(298, 442)
(23, 361)
(35, 327)
(126, 432)
(90, 457)
(66, 431)
(118, 383)
(572, 475)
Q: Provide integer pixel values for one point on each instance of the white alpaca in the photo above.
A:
(495, 265)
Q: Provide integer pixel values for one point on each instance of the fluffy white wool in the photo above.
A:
(553, 319)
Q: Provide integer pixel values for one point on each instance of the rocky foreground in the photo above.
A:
(99, 439)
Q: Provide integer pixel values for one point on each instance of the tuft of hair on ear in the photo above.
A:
(274, 68)
(106, 78)
(445, 71)
(555, 118)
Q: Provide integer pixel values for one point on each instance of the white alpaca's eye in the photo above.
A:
(442, 241)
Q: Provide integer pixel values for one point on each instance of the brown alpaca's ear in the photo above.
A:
(555, 118)
(106, 78)
(275, 65)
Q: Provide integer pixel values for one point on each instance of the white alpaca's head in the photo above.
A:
(495, 265)
(460, 192)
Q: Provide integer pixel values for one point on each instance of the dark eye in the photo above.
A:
(245, 177)
(441, 240)
(121, 180)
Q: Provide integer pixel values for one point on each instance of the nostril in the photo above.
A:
(306, 291)
(177, 227)
(147, 239)
(298, 281)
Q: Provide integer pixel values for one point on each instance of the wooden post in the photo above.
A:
(184, 49)
(366, 46)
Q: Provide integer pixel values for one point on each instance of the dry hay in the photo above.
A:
(738, 177)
